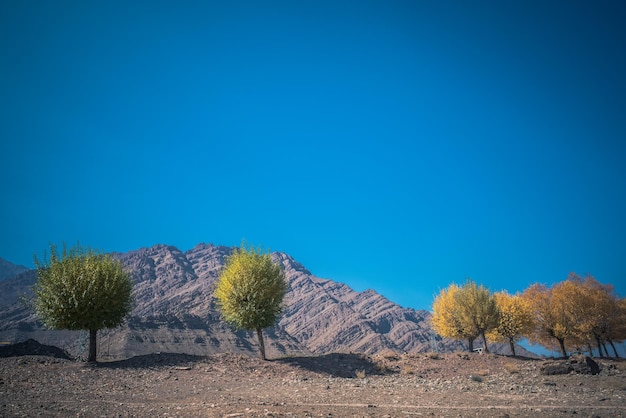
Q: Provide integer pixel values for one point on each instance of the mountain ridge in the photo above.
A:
(9, 270)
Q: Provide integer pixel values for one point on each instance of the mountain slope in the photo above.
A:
(9, 270)
(328, 316)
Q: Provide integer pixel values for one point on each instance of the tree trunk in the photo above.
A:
(562, 345)
(470, 344)
(92, 345)
(613, 347)
(512, 344)
(606, 351)
(590, 349)
(259, 333)
(599, 344)
(485, 346)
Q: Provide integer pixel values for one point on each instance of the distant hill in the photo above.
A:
(175, 312)
(9, 270)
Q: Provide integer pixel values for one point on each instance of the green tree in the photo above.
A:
(81, 289)
(250, 291)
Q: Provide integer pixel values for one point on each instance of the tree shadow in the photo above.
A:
(336, 364)
(155, 360)
(521, 358)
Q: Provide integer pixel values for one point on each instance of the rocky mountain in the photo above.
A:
(8, 269)
(327, 316)
(175, 312)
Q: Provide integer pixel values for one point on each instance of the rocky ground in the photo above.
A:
(37, 380)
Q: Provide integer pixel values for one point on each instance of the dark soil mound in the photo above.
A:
(574, 364)
(31, 347)
(155, 360)
(336, 364)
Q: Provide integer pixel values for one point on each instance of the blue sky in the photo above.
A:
(399, 146)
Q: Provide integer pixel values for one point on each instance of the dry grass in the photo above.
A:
(511, 368)
(381, 366)
(620, 364)
(384, 360)
(483, 372)
(360, 374)
(389, 355)
(407, 370)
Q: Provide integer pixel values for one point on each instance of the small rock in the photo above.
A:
(552, 369)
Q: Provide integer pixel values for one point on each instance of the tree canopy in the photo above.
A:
(553, 325)
(598, 314)
(447, 320)
(465, 313)
(515, 321)
(250, 291)
(82, 289)
(576, 313)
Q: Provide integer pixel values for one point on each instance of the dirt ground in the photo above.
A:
(335, 385)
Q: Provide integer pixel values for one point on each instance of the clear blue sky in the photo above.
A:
(399, 146)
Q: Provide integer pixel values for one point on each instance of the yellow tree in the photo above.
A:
(465, 313)
(579, 310)
(552, 309)
(602, 316)
(447, 320)
(516, 319)
(590, 308)
(589, 313)
(250, 291)
(591, 304)
(479, 309)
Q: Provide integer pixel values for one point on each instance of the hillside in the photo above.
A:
(175, 312)
(9, 270)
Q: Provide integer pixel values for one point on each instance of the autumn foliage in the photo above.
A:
(465, 312)
(577, 314)
(447, 320)
(516, 319)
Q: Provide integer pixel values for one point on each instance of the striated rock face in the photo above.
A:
(165, 281)
(174, 311)
(327, 316)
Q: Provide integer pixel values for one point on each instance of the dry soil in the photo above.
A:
(335, 385)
